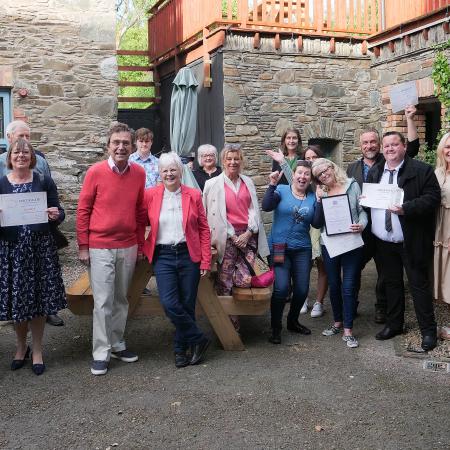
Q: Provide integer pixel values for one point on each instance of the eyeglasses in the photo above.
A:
(18, 152)
(320, 175)
(208, 155)
(124, 143)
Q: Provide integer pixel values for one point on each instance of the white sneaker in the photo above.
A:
(351, 341)
(317, 310)
(304, 309)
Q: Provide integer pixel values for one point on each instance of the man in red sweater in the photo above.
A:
(110, 231)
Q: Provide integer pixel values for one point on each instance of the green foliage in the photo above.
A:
(427, 154)
(131, 34)
(441, 79)
(234, 8)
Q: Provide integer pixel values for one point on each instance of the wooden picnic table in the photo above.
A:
(243, 302)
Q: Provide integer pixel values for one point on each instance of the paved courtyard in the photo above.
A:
(309, 393)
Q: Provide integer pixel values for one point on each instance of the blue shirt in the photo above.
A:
(150, 165)
(292, 219)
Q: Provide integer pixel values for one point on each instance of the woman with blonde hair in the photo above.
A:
(232, 211)
(332, 180)
(442, 234)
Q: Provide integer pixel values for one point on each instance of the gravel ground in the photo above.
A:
(310, 392)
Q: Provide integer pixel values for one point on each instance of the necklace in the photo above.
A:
(298, 196)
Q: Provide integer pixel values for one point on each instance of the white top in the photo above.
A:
(379, 215)
(170, 230)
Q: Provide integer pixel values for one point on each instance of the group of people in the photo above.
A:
(134, 206)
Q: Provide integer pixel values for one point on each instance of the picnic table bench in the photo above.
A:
(243, 302)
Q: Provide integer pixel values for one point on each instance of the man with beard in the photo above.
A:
(370, 149)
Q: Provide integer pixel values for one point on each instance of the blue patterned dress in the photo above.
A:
(31, 284)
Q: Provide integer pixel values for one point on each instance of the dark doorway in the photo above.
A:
(144, 118)
(327, 146)
(431, 108)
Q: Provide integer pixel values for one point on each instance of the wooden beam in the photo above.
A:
(148, 68)
(391, 46)
(136, 99)
(300, 43)
(332, 45)
(256, 40)
(137, 83)
(133, 52)
(407, 40)
(364, 47)
(425, 34)
(277, 41)
(377, 51)
(446, 27)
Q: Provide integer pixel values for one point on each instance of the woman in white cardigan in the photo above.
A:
(233, 215)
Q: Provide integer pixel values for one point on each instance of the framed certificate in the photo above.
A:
(23, 209)
(338, 216)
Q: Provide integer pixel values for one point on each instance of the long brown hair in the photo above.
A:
(283, 138)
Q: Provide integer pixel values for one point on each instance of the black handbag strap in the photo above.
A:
(249, 266)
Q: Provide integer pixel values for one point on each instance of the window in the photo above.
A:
(5, 117)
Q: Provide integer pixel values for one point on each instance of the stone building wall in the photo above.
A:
(410, 59)
(324, 95)
(63, 53)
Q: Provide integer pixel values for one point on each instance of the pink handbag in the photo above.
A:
(245, 276)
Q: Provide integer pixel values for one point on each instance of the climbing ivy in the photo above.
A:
(441, 78)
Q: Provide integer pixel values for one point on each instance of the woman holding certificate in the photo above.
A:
(339, 213)
(31, 286)
(442, 234)
(294, 208)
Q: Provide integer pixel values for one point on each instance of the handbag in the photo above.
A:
(278, 253)
(59, 238)
(245, 276)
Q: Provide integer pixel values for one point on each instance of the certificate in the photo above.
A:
(343, 243)
(23, 209)
(402, 95)
(338, 216)
(381, 196)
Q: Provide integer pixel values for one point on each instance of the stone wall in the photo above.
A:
(324, 95)
(63, 53)
(408, 59)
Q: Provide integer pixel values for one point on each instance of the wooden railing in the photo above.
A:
(400, 11)
(174, 23)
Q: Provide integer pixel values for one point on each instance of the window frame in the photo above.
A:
(5, 95)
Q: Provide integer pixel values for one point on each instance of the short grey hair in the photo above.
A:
(16, 125)
(166, 159)
(206, 148)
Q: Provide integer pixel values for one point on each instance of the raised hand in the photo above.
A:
(410, 111)
(276, 156)
(275, 177)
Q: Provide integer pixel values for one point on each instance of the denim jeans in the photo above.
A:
(343, 291)
(177, 278)
(296, 266)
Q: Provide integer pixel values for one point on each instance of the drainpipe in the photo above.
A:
(383, 14)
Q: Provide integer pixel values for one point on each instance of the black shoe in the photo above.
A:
(276, 337)
(296, 327)
(199, 350)
(55, 320)
(387, 333)
(181, 360)
(429, 342)
(380, 316)
(38, 369)
(19, 363)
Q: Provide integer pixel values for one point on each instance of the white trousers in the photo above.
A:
(110, 274)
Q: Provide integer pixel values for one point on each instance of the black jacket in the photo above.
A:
(39, 184)
(356, 169)
(421, 199)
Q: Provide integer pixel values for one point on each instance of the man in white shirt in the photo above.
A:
(404, 237)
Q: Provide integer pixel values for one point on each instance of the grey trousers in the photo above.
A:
(110, 274)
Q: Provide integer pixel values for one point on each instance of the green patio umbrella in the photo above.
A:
(183, 118)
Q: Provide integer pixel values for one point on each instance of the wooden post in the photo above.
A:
(207, 80)
(318, 15)
(300, 43)
(256, 40)
(219, 320)
(332, 45)
(243, 11)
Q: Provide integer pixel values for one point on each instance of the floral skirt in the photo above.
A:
(31, 283)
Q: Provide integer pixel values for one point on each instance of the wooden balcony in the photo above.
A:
(175, 25)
